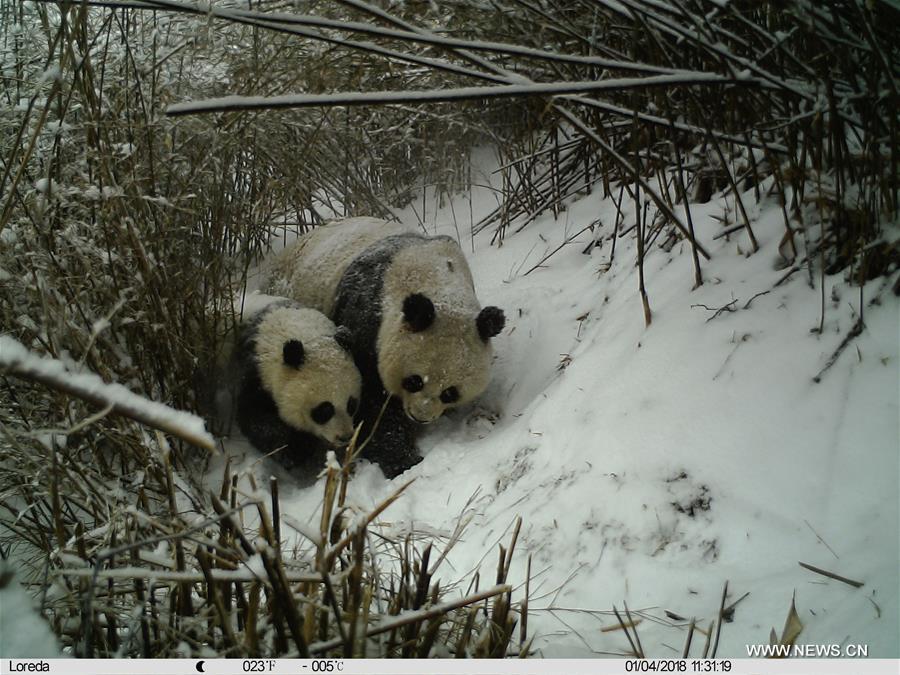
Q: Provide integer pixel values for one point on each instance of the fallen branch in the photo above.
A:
(413, 617)
(831, 575)
(17, 360)
(730, 230)
(747, 305)
(217, 574)
(855, 332)
(567, 241)
(718, 310)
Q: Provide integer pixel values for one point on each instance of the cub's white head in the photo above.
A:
(305, 364)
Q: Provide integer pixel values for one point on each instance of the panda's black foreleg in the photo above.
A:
(305, 456)
(298, 451)
(257, 416)
(391, 440)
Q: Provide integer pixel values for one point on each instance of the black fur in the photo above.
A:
(257, 416)
(323, 412)
(293, 354)
(450, 395)
(412, 383)
(490, 322)
(358, 299)
(358, 307)
(393, 445)
(418, 312)
(344, 338)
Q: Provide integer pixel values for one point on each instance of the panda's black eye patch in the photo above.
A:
(323, 412)
(413, 383)
(352, 405)
(450, 395)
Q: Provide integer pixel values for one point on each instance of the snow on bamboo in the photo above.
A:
(17, 360)
(225, 103)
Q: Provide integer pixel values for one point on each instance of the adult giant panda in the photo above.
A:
(298, 388)
(419, 334)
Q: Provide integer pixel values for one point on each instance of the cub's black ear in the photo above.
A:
(344, 337)
(490, 321)
(418, 312)
(292, 351)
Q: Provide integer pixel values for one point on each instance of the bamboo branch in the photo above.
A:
(831, 575)
(244, 103)
(16, 360)
(412, 617)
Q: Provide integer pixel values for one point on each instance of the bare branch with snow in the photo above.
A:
(17, 360)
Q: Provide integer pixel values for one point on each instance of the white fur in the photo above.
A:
(327, 374)
(310, 269)
(448, 353)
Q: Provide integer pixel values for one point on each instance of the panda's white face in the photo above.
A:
(311, 377)
(434, 350)
(437, 369)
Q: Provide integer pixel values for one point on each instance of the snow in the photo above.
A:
(53, 73)
(18, 360)
(24, 634)
(650, 465)
(46, 186)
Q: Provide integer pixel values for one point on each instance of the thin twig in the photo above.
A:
(832, 575)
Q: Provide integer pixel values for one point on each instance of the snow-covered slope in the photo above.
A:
(24, 634)
(650, 465)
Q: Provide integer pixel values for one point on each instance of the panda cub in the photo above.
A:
(419, 333)
(298, 388)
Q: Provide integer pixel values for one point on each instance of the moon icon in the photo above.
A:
(200, 666)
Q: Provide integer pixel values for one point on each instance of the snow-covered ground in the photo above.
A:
(24, 634)
(651, 465)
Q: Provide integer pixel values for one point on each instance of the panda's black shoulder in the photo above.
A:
(385, 249)
(358, 293)
(358, 296)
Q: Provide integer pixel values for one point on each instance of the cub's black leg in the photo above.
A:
(302, 453)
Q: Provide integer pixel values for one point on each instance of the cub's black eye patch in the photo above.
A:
(413, 383)
(323, 412)
(352, 405)
(450, 395)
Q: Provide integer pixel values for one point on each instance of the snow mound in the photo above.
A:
(650, 465)
(23, 632)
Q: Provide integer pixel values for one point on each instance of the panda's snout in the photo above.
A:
(343, 439)
(425, 412)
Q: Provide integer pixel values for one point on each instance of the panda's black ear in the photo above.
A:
(490, 322)
(418, 312)
(344, 337)
(292, 351)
